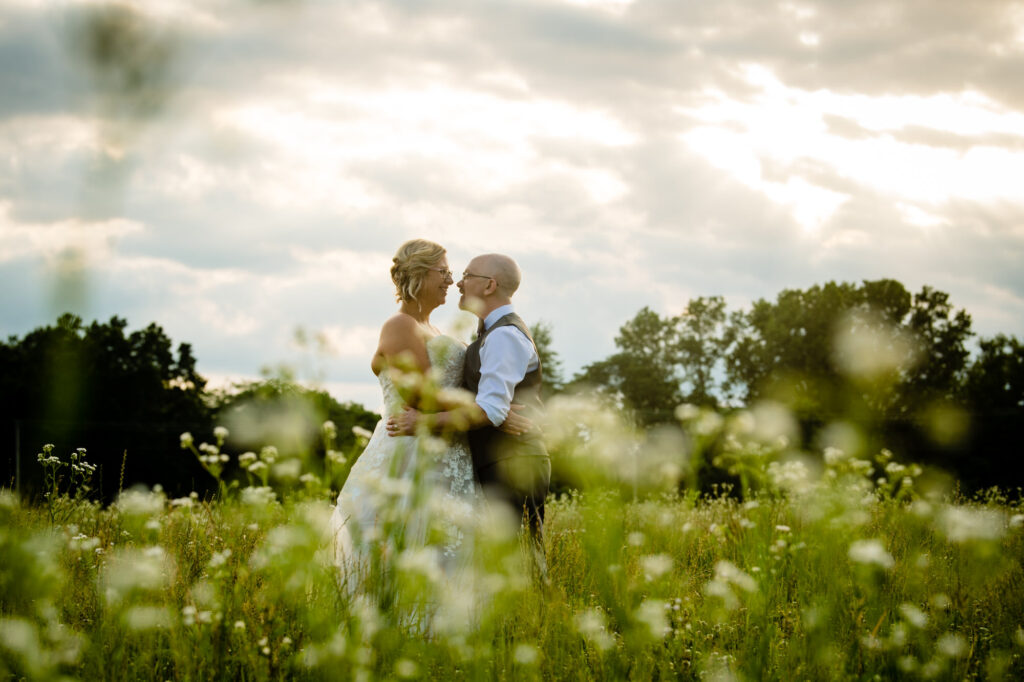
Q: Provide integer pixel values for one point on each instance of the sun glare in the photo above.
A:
(782, 126)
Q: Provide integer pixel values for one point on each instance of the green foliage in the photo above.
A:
(895, 364)
(854, 569)
(642, 376)
(995, 381)
(73, 371)
(551, 364)
(107, 389)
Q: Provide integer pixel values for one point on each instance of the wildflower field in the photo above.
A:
(830, 565)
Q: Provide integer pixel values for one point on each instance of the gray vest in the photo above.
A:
(487, 444)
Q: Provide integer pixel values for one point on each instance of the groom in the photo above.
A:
(501, 367)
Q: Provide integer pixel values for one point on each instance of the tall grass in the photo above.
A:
(832, 565)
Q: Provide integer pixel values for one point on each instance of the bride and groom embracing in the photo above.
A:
(490, 450)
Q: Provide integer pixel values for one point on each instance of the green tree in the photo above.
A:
(108, 390)
(704, 336)
(840, 348)
(550, 362)
(941, 334)
(642, 376)
(995, 380)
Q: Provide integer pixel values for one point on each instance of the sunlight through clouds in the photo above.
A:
(784, 125)
(627, 153)
(614, 7)
(484, 141)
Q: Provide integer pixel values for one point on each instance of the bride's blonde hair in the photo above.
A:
(411, 264)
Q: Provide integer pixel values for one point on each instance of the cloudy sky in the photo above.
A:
(240, 170)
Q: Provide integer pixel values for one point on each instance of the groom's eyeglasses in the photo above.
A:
(470, 274)
(445, 273)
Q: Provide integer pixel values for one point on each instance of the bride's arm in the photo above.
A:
(402, 350)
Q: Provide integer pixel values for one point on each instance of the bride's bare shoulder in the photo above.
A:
(401, 336)
(399, 322)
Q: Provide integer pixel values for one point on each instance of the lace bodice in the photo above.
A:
(446, 355)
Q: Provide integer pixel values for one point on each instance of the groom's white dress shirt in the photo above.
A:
(506, 355)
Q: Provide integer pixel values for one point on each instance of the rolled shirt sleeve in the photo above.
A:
(506, 355)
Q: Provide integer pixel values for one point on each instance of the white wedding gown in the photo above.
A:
(404, 493)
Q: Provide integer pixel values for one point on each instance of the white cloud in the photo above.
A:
(782, 125)
(627, 153)
(92, 241)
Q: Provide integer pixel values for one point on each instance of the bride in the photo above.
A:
(410, 492)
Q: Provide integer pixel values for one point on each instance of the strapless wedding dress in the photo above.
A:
(406, 493)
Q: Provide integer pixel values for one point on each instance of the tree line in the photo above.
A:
(896, 364)
(128, 396)
(899, 366)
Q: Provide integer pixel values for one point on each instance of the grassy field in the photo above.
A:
(832, 565)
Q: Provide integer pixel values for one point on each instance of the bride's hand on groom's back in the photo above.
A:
(516, 423)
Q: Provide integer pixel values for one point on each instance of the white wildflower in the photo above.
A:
(220, 558)
(708, 423)
(834, 456)
(951, 645)
(258, 496)
(146, 617)
(140, 502)
(220, 433)
(963, 524)
(288, 469)
(591, 624)
(360, 432)
(655, 565)
(405, 668)
(686, 412)
(870, 552)
(914, 615)
(525, 654)
(728, 572)
(423, 560)
(246, 458)
(792, 475)
(652, 614)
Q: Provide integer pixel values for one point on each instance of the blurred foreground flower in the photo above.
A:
(871, 552)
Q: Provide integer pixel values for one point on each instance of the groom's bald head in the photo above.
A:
(503, 269)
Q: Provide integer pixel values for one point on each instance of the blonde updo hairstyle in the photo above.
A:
(411, 265)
